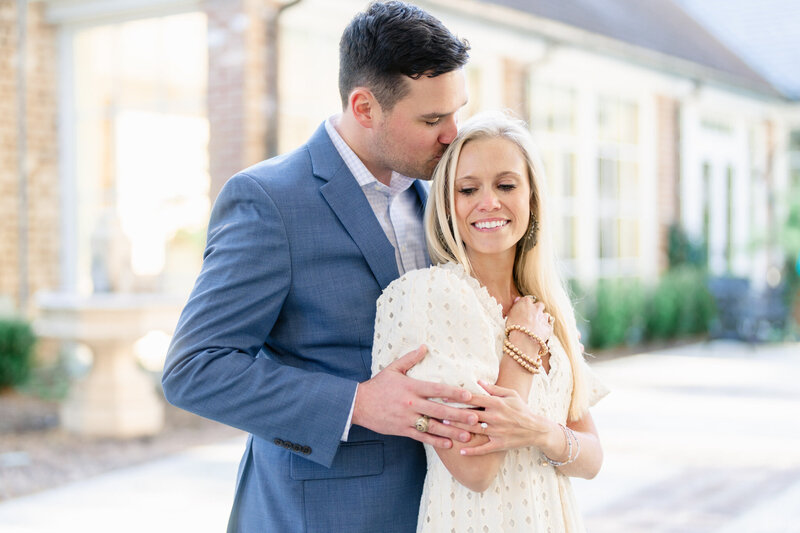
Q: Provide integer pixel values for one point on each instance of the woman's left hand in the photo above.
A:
(506, 420)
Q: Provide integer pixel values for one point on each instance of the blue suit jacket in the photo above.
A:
(275, 337)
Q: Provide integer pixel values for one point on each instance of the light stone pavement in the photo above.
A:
(699, 439)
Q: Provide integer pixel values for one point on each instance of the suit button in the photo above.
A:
(296, 447)
(287, 445)
(306, 450)
(278, 442)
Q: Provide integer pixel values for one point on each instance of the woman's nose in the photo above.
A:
(489, 201)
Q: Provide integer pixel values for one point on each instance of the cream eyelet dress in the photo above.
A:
(462, 325)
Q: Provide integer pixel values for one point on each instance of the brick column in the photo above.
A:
(515, 88)
(238, 89)
(667, 172)
(9, 208)
(40, 158)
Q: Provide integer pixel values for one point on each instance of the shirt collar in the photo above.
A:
(397, 183)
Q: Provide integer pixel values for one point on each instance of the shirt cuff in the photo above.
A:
(346, 432)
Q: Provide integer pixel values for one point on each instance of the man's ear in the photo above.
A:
(364, 106)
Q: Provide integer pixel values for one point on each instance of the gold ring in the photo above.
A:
(532, 297)
(422, 423)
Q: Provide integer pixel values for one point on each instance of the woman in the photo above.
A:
(494, 310)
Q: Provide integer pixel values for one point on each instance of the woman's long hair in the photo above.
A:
(535, 270)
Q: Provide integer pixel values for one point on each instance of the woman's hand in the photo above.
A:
(531, 315)
(509, 423)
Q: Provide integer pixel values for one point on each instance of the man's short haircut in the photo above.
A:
(391, 40)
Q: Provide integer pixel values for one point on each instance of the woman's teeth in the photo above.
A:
(490, 225)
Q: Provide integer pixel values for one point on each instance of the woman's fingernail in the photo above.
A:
(446, 422)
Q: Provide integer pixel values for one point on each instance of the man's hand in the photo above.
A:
(391, 402)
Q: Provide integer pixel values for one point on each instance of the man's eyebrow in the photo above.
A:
(436, 114)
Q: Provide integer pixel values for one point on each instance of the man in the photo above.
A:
(276, 337)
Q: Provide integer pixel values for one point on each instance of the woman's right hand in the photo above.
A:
(531, 315)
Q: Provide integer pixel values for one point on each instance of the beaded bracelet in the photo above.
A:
(535, 361)
(531, 365)
(543, 348)
(570, 458)
(524, 364)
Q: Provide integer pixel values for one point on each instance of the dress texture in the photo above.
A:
(463, 327)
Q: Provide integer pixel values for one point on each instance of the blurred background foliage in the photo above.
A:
(628, 312)
(16, 352)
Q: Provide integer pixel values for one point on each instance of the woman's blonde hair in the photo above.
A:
(535, 270)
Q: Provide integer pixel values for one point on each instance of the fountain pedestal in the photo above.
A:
(117, 398)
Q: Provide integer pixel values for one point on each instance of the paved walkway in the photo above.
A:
(699, 439)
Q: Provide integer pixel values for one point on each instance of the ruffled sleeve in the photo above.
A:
(595, 388)
(442, 310)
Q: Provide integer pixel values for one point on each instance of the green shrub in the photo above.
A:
(681, 250)
(16, 352)
(679, 305)
(622, 311)
(614, 313)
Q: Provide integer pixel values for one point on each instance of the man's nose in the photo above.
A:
(449, 130)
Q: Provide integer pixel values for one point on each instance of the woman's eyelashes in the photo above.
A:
(505, 187)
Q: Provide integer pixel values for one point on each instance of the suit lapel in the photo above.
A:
(347, 200)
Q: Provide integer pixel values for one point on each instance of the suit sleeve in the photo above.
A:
(212, 367)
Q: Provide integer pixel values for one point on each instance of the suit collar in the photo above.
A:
(347, 200)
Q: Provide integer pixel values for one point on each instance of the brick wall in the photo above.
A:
(43, 239)
(668, 172)
(238, 31)
(515, 88)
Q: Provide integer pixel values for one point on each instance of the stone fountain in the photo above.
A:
(117, 398)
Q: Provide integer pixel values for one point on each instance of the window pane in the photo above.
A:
(553, 109)
(608, 237)
(794, 141)
(617, 120)
(141, 137)
(629, 238)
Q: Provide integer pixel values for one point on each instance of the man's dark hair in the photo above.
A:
(391, 40)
